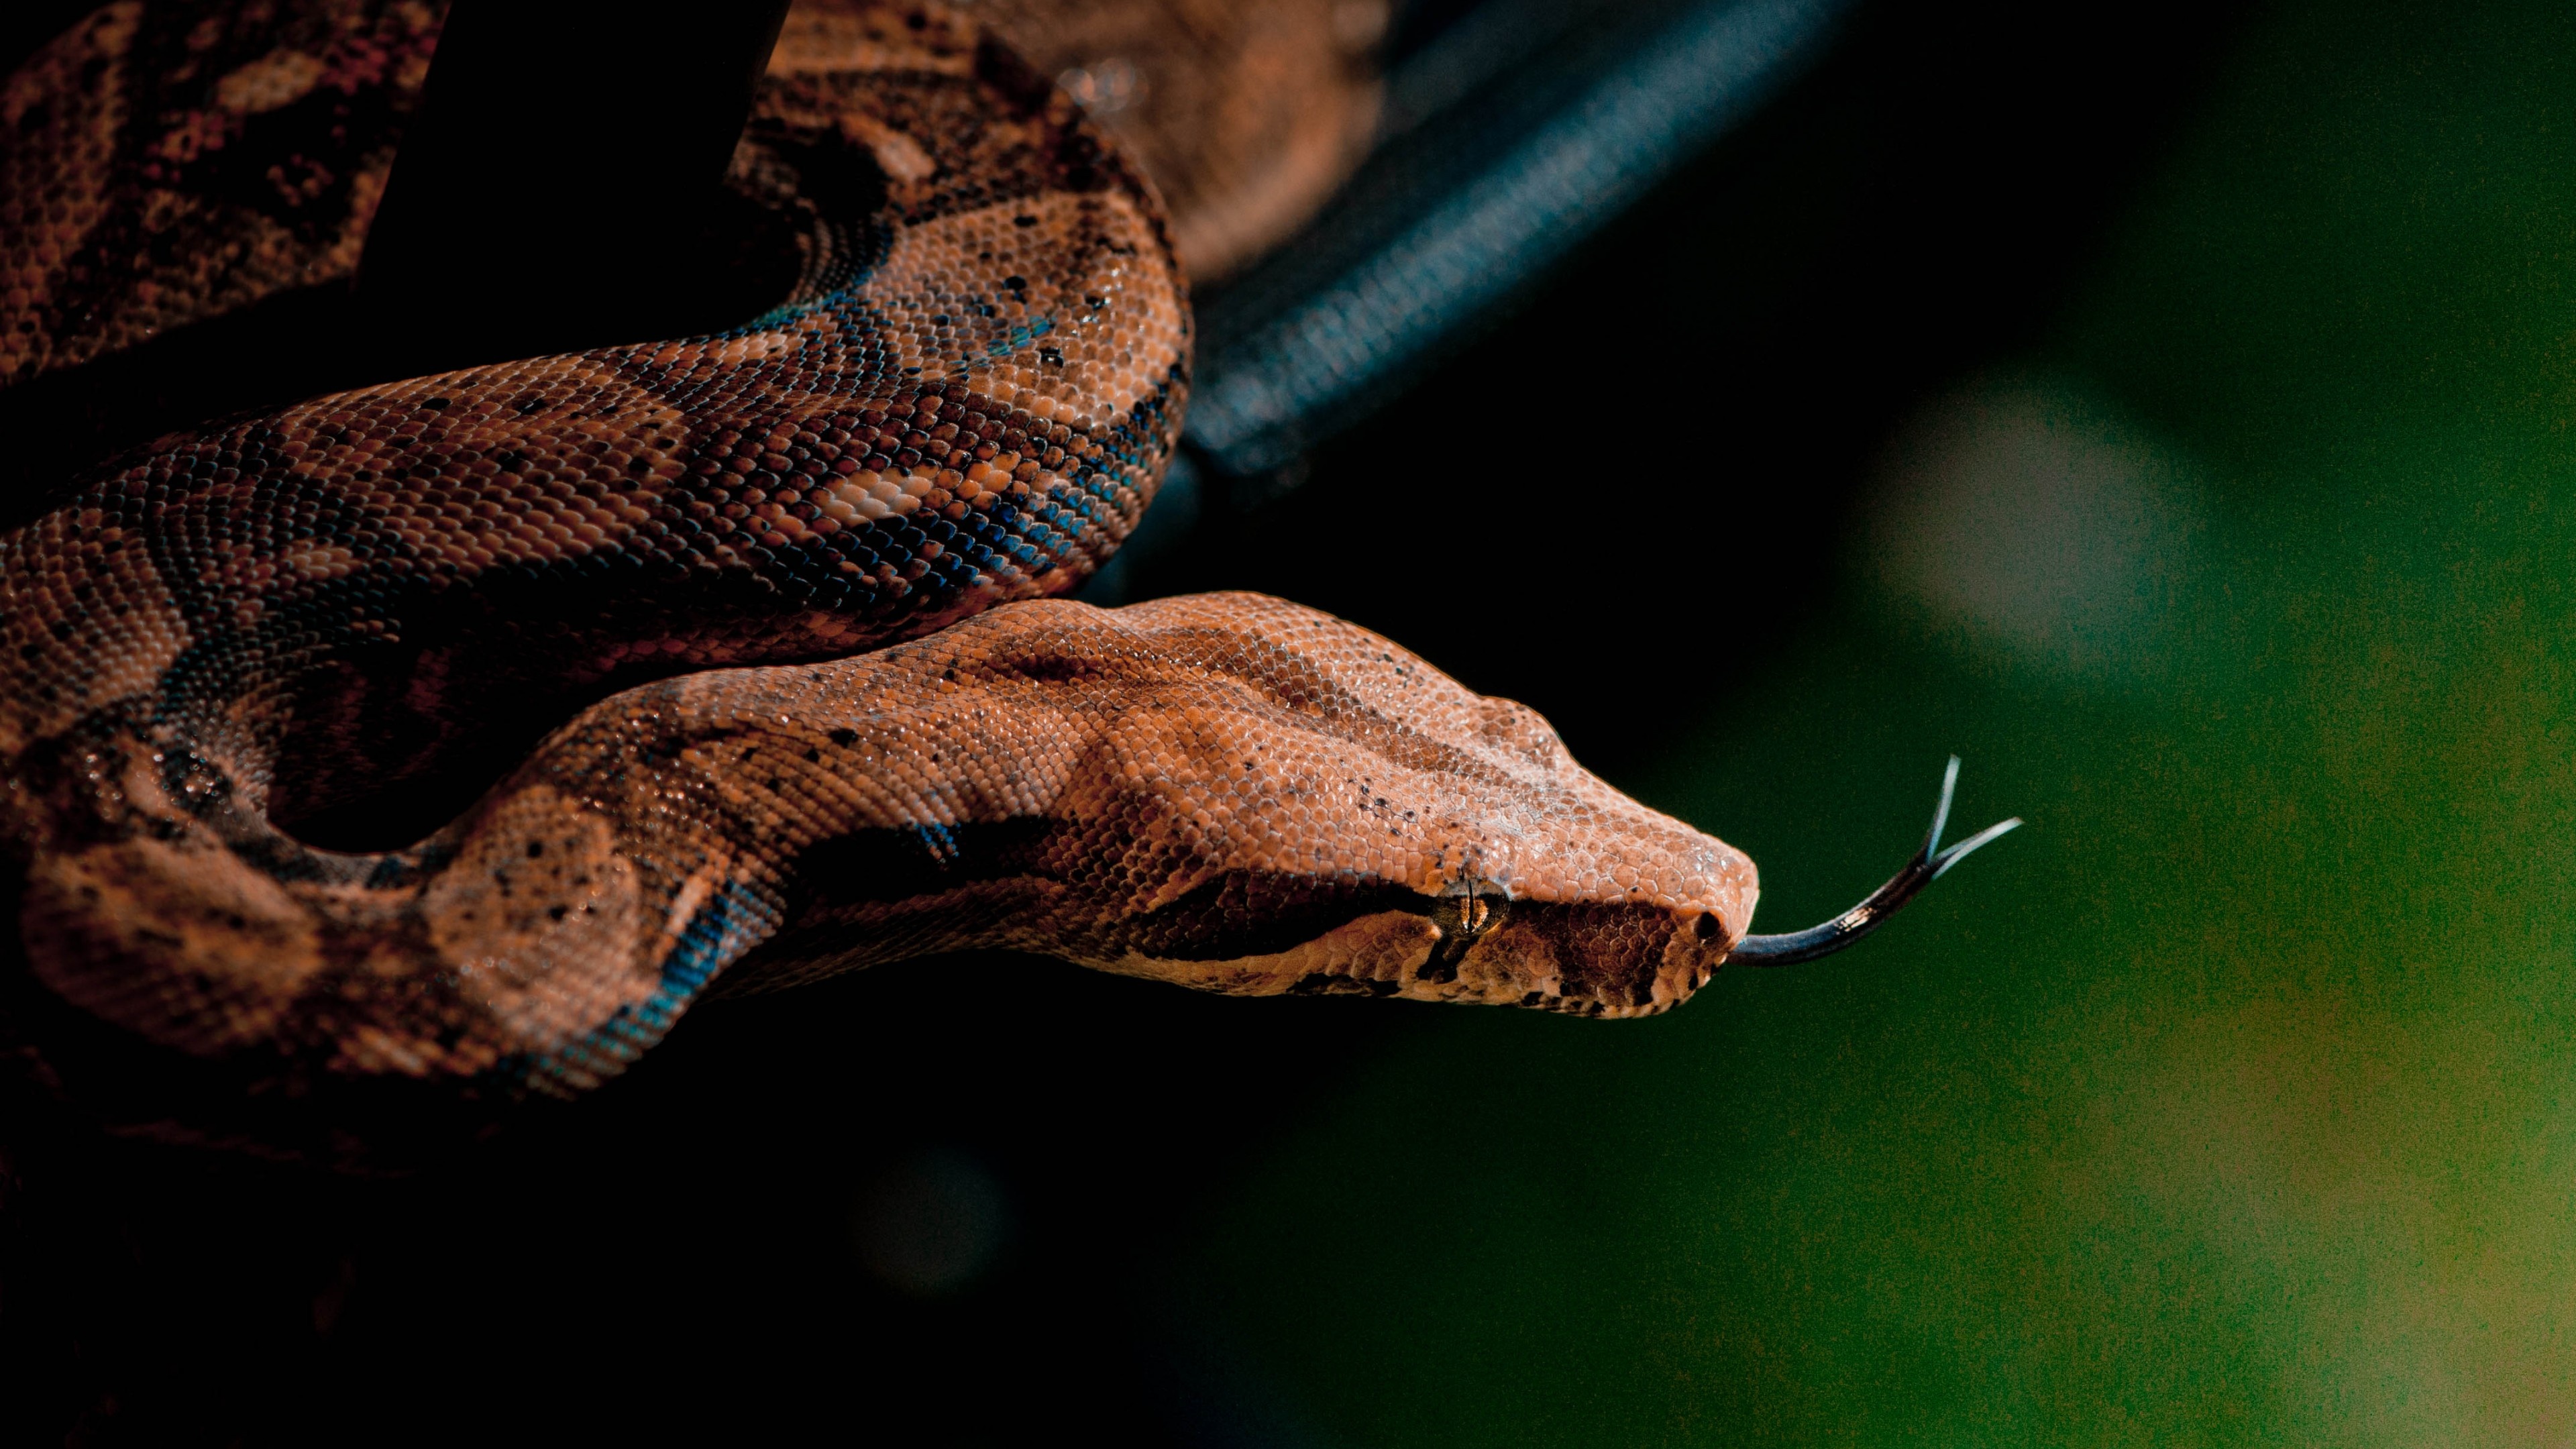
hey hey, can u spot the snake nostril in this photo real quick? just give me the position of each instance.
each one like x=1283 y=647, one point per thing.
x=1708 y=926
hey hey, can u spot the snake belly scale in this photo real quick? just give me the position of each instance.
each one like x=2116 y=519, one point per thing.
x=788 y=584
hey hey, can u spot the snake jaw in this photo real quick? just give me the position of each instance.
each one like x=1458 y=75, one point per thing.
x=1590 y=958
x=1603 y=961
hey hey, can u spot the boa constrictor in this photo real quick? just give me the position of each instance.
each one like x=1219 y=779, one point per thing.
x=791 y=582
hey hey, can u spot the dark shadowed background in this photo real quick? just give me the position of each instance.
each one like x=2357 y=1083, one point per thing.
x=2163 y=406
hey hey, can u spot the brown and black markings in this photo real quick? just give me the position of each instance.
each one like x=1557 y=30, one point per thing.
x=964 y=404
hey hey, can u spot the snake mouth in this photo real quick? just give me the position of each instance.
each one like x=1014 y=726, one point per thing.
x=1588 y=958
x=1259 y=933
x=1578 y=958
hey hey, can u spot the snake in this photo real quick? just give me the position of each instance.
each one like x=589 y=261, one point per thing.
x=786 y=599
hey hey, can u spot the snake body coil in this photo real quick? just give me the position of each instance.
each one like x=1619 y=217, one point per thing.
x=963 y=406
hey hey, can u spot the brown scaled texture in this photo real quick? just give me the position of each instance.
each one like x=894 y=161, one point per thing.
x=964 y=405
x=967 y=398
x=1247 y=113
x=1224 y=791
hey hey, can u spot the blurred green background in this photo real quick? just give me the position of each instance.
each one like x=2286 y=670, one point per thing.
x=2231 y=1102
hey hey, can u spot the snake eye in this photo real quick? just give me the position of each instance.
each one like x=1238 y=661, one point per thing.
x=1463 y=920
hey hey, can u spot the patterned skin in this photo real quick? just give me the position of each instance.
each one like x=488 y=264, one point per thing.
x=963 y=405
x=1246 y=115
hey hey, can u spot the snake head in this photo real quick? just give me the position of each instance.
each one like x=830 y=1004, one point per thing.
x=1313 y=810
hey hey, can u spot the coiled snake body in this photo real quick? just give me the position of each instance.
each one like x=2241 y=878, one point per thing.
x=796 y=571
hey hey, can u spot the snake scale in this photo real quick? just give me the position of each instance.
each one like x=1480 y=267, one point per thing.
x=790 y=586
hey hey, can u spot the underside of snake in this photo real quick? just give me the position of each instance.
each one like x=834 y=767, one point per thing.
x=789 y=582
